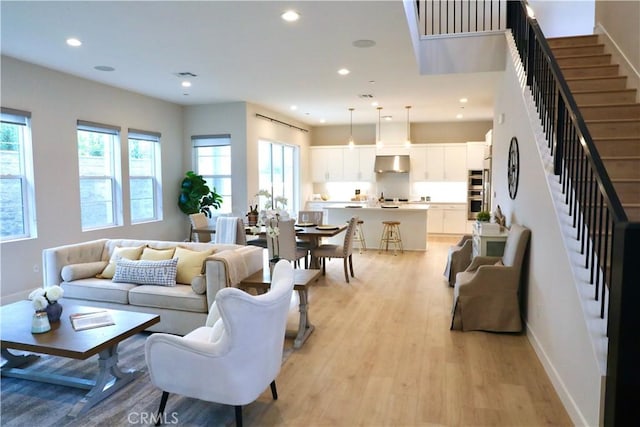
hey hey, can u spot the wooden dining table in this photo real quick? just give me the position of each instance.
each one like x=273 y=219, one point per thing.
x=312 y=233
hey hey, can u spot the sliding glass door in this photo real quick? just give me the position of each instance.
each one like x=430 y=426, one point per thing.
x=278 y=170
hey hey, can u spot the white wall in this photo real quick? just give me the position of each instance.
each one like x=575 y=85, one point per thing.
x=553 y=16
x=554 y=315
x=56 y=101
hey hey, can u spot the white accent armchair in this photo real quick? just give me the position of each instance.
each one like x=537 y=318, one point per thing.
x=486 y=294
x=235 y=356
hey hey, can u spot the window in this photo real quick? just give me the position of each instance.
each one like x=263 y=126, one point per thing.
x=145 y=192
x=213 y=161
x=17 y=201
x=99 y=166
x=278 y=171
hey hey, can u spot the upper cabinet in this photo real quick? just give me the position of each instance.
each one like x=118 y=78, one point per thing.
x=475 y=155
x=358 y=164
x=439 y=162
x=326 y=164
x=335 y=164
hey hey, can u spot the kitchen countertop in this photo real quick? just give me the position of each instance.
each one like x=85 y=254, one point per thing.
x=391 y=207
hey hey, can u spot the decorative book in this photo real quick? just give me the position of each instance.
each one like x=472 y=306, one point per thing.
x=96 y=319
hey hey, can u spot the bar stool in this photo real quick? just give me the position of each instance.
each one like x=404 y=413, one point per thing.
x=358 y=236
x=391 y=234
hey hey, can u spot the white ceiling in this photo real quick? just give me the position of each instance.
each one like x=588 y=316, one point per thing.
x=244 y=51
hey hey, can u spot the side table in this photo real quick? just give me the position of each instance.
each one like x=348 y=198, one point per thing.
x=488 y=244
x=261 y=281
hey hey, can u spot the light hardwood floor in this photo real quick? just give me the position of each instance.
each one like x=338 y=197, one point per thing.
x=382 y=354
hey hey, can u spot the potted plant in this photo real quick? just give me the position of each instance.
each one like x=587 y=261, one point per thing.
x=483 y=216
x=196 y=196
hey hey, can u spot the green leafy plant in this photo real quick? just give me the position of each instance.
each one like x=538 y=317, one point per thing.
x=484 y=216
x=196 y=196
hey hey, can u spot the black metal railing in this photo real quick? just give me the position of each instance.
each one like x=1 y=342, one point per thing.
x=460 y=16
x=602 y=227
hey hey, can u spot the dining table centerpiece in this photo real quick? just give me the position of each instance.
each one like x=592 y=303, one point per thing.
x=46 y=300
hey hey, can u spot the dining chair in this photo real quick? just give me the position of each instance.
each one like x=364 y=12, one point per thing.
x=234 y=357
x=284 y=245
x=313 y=217
x=230 y=229
x=344 y=251
x=199 y=221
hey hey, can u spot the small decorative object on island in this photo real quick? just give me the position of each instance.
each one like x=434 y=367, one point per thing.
x=196 y=196
x=46 y=301
x=499 y=217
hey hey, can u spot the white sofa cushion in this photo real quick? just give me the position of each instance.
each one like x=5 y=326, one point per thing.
x=144 y=272
x=94 y=289
x=179 y=297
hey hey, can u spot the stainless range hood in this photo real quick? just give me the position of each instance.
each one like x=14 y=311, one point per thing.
x=396 y=164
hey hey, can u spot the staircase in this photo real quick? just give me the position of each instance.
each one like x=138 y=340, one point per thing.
x=609 y=109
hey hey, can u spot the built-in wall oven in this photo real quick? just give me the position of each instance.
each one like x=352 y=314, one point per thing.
x=475 y=193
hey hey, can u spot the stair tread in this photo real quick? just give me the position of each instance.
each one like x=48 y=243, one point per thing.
x=597 y=121
x=582 y=78
x=571 y=67
x=616 y=138
x=581 y=55
x=620 y=157
x=602 y=90
x=617 y=104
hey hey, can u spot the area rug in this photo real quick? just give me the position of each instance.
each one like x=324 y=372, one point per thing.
x=30 y=403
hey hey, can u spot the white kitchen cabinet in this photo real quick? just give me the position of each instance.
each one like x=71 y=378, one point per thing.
x=447 y=219
x=358 y=164
x=326 y=164
x=475 y=155
x=439 y=162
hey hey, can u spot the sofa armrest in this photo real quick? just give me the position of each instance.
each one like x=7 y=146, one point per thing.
x=216 y=273
x=54 y=259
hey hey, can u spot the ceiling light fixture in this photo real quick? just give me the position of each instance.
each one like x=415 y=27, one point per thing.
x=459 y=116
x=463 y=100
x=104 y=68
x=351 y=143
x=407 y=143
x=343 y=71
x=294 y=107
x=186 y=83
x=74 y=42
x=379 y=143
x=290 y=16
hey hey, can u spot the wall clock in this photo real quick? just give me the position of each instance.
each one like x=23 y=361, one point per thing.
x=513 y=167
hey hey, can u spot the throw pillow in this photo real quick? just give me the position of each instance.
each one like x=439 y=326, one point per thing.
x=189 y=263
x=143 y=272
x=153 y=254
x=499 y=263
x=128 y=252
x=82 y=271
x=199 y=284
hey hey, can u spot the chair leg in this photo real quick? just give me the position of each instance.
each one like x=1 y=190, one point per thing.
x=238 y=416
x=346 y=273
x=324 y=264
x=274 y=392
x=351 y=265
x=163 y=404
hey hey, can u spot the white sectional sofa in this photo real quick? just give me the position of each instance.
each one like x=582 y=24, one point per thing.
x=182 y=307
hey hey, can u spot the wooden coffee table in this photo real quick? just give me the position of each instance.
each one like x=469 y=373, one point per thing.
x=261 y=281
x=63 y=341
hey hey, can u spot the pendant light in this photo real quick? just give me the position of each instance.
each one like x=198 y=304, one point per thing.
x=407 y=143
x=379 y=142
x=351 y=143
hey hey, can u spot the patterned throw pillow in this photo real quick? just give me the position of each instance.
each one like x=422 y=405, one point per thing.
x=118 y=253
x=143 y=272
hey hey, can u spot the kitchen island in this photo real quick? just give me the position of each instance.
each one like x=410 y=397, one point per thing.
x=412 y=217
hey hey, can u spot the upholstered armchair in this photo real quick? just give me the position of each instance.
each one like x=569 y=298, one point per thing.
x=485 y=295
x=459 y=258
x=344 y=251
x=235 y=356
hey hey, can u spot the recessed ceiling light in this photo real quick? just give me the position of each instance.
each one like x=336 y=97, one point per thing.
x=363 y=43
x=458 y=116
x=186 y=83
x=343 y=71
x=463 y=100
x=74 y=42
x=374 y=104
x=294 y=107
x=290 y=16
x=104 y=68
x=387 y=118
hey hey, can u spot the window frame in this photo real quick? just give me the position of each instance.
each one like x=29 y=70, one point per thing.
x=220 y=140
x=115 y=177
x=293 y=185
x=10 y=116
x=155 y=177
